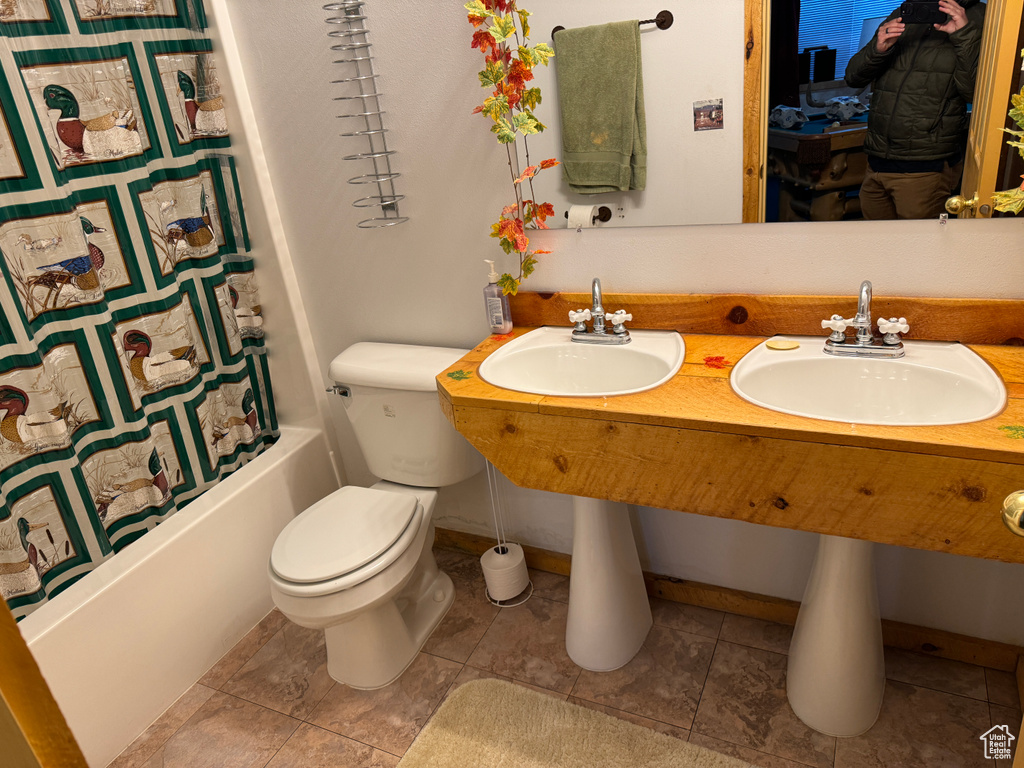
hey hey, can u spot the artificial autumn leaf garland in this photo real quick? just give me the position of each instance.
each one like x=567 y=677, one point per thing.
x=509 y=62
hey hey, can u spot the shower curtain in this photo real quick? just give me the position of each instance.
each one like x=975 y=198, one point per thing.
x=133 y=372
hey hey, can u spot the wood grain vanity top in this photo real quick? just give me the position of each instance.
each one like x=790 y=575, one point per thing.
x=693 y=445
x=699 y=397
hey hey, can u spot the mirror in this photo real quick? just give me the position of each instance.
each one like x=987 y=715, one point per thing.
x=694 y=176
x=1002 y=40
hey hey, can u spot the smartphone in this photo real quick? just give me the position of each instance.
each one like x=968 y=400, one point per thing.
x=922 y=12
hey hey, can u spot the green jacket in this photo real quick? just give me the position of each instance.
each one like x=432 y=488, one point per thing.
x=921 y=89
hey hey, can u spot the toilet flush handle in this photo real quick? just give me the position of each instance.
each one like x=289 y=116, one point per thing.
x=340 y=389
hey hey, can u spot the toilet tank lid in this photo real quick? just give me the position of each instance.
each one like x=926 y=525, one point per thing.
x=393 y=366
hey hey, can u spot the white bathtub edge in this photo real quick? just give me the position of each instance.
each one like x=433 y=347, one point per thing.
x=117 y=651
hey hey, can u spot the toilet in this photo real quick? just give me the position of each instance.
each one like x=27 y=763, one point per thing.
x=358 y=563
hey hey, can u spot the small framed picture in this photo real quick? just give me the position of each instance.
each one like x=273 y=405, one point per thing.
x=708 y=115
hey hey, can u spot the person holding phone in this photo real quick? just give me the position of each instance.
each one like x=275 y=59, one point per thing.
x=922 y=77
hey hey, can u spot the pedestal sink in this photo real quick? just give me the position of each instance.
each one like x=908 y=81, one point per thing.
x=836 y=674
x=609 y=613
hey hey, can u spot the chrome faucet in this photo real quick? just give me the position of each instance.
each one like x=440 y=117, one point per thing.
x=599 y=334
x=597 y=310
x=865 y=343
x=862 y=320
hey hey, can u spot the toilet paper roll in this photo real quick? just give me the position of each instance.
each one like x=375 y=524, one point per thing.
x=505 y=571
x=582 y=216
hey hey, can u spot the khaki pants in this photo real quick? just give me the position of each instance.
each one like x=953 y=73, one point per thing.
x=907 y=195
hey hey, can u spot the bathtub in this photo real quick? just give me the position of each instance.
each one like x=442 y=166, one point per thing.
x=121 y=645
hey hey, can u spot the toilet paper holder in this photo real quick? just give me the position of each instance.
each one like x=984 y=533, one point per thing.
x=604 y=213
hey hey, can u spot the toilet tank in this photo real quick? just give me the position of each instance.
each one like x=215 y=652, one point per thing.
x=396 y=416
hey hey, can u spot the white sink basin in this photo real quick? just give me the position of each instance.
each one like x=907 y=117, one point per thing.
x=546 y=362
x=934 y=383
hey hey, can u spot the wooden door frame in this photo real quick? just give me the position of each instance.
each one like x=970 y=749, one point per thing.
x=995 y=80
x=32 y=726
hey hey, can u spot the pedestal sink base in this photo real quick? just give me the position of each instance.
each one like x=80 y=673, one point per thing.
x=836 y=668
x=609 y=613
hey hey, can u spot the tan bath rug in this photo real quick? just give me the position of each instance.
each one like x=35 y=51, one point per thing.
x=495 y=724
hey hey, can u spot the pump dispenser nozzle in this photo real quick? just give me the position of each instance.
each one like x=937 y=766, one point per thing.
x=493 y=277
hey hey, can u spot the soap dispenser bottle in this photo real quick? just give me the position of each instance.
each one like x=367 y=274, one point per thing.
x=499 y=316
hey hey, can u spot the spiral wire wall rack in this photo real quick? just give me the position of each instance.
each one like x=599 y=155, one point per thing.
x=354 y=49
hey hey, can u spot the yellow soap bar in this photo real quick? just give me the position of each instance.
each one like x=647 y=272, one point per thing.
x=781 y=344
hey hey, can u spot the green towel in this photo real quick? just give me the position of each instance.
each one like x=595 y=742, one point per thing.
x=600 y=87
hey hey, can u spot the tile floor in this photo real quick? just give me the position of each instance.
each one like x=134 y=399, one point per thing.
x=716 y=679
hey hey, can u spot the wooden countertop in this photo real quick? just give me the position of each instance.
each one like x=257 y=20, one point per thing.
x=693 y=445
x=700 y=397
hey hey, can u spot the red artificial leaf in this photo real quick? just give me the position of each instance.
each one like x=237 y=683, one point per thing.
x=483 y=40
x=717 y=361
x=512 y=230
x=513 y=95
x=529 y=173
x=513 y=208
x=476 y=21
x=540 y=251
x=500 y=53
x=519 y=75
x=478 y=110
x=549 y=163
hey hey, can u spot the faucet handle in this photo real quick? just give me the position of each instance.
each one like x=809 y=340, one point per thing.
x=579 y=316
x=892 y=325
x=838 y=327
x=891 y=328
x=617 y=319
x=836 y=324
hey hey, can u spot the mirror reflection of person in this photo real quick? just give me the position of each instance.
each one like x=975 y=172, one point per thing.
x=922 y=78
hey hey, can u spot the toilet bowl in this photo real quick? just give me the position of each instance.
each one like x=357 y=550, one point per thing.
x=359 y=563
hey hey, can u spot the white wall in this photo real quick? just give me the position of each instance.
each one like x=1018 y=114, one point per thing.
x=420 y=282
x=678 y=71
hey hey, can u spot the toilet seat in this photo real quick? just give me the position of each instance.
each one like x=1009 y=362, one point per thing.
x=343 y=540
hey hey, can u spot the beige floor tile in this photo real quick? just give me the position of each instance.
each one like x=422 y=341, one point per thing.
x=244 y=649
x=550 y=586
x=466 y=621
x=527 y=643
x=1010 y=717
x=935 y=673
x=756 y=633
x=472 y=673
x=744 y=702
x=1002 y=688
x=154 y=737
x=667 y=728
x=226 y=732
x=312 y=747
x=390 y=717
x=461 y=566
x=662 y=682
x=288 y=674
x=688 y=618
x=752 y=756
x=920 y=727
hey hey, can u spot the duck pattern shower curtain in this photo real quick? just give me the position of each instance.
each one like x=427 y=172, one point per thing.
x=133 y=373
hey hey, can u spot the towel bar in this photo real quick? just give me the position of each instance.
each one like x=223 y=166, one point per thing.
x=663 y=20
